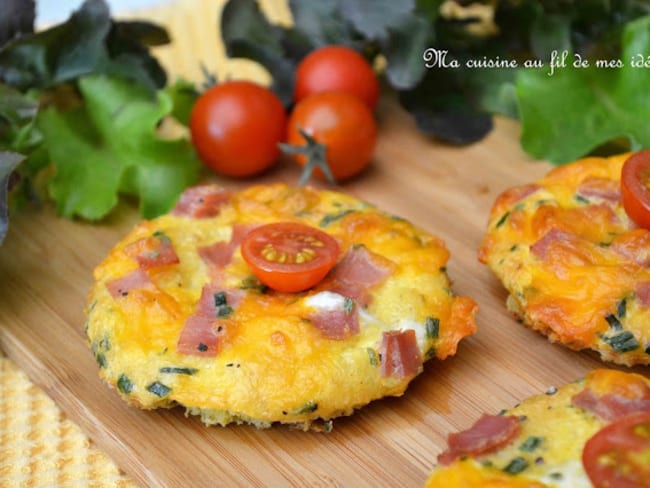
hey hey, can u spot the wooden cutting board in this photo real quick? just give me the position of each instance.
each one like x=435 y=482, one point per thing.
x=46 y=270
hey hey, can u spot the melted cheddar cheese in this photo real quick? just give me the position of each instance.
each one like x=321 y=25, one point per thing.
x=576 y=267
x=272 y=365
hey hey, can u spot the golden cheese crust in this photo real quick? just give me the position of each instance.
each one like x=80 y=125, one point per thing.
x=553 y=427
x=272 y=364
x=575 y=265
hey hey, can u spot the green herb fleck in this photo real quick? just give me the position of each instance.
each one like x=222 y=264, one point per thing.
x=372 y=355
x=308 y=407
x=333 y=217
x=556 y=475
x=621 y=308
x=100 y=357
x=530 y=444
x=516 y=466
x=177 y=370
x=432 y=325
x=581 y=199
x=348 y=305
x=431 y=353
x=158 y=389
x=503 y=219
x=220 y=299
x=124 y=384
x=202 y=347
x=224 y=311
x=252 y=283
x=623 y=342
x=613 y=322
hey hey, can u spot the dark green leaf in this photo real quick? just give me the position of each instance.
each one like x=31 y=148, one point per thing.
x=8 y=163
x=319 y=23
x=409 y=37
x=373 y=18
x=17 y=19
x=61 y=53
x=183 y=94
x=248 y=34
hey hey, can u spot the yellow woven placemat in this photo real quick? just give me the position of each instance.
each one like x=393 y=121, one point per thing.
x=39 y=447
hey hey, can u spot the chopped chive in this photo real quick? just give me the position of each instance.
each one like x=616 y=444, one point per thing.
x=220 y=299
x=613 y=322
x=530 y=444
x=224 y=311
x=503 y=219
x=100 y=357
x=158 y=389
x=514 y=247
x=308 y=407
x=177 y=370
x=202 y=347
x=621 y=308
x=333 y=217
x=581 y=199
x=124 y=384
x=348 y=305
x=432 y=325
x=372 y=356
x=647 y=349
x=431 y=353
x=517 y=465
x=623 y=342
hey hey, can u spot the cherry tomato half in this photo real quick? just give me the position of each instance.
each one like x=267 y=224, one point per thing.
x=618 y=455
x=336 y=68
x=288 y=256
x=635 y=188
x=343 y=124
x=236 y=127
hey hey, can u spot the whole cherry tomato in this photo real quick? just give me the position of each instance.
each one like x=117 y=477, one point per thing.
x=336 y=68
x=635 y=187
x=618 y=455
x=236 y=127
x=342 y=123
x=289 y=256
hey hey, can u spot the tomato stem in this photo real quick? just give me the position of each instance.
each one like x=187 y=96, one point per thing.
x=316 y=154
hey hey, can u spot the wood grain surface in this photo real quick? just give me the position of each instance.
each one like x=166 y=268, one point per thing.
x=46 y=268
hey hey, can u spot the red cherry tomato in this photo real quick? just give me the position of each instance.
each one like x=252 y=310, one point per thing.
x=236 y=127
x=343 y=124
x=288 y=256
x=635 y=188
x=618 y=455
x=336 y=68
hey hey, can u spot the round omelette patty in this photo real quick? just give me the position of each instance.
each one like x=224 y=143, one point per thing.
x=575 y=265
x=539 y=443
x=176 y=316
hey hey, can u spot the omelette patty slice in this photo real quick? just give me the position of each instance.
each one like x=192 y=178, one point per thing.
x=576 y=266
x=176 y=316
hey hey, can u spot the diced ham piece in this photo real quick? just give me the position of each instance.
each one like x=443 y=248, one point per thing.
x=202 y=331
x=337 y=324
x=600 y=188
x=219 y=254
x=400 y=354
x=554 y=236
x=202 y=201
x=153 y=251
x=634 y=246
x=488 y=434
x=612 y=406
x=137 y=279
x=642 y=292
x=358 y=270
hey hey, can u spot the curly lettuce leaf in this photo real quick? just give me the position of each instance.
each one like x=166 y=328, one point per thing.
x=572 y=112
x=110 y=145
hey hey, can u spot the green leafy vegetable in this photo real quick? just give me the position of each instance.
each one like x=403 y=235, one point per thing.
x=594 y=104
x=109 y=146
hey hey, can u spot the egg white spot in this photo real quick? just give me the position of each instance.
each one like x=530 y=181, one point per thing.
x=419 y=328
x=326 y=301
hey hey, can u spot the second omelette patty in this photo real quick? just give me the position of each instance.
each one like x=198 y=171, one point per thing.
x=575 y=265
